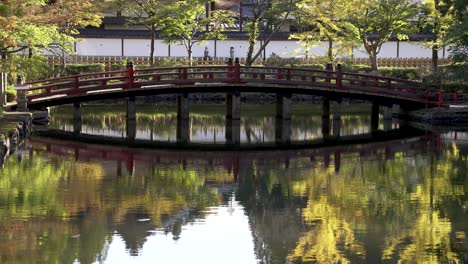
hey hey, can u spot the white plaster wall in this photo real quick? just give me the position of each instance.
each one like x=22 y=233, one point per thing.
x=240 y=48
x=285 y=48
x=99 y=47
x=141 y=47
x=415 y=49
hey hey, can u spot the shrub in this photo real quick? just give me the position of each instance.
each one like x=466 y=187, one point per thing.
x=407 y=73
x=358 y=68
x=72 y=69
x=311 y=66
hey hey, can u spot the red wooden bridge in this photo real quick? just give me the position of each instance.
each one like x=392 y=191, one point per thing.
x=235 y=78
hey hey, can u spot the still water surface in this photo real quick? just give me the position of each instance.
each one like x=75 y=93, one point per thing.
x=400 y=201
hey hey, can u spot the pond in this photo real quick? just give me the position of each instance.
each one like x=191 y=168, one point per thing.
x=401 y=200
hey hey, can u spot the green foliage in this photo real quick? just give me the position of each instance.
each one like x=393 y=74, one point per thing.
x=277 y=61
x=311 y=66
x=186 y=24
x=458 y=38
x=359 y=68
x=31 y=68
x=408 y=73
x=377 y=20
x=73 y=69
x=11 y=95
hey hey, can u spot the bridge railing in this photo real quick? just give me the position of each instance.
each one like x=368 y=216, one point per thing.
x=234 y=73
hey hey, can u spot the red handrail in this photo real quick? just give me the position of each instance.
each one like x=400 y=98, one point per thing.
x=236 y=74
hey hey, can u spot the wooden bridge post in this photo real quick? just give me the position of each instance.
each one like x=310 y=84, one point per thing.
x=339 y=76
x=282 y=130
x=130 y=75
x=233 y=104
x=230 y=70
x=183 y=119
x=237 y=71
x=232 y=134
x=131 y=118
x=375 y=117
x=337 y=120
x=77 y=122
x=326 y=118
x=283 y=106
x=387 y=118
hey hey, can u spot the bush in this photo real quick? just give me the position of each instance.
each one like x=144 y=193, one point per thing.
x=31 y=68
x=276 y=61
x=11 y=95
x=311 y=66
x=357 y=68
x=72 y=69
x=407 y=73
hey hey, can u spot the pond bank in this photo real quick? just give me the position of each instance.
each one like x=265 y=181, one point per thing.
x=445 y=116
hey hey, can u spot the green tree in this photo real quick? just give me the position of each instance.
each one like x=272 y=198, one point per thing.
x=458 y=32
x=268 y=17
x=188 y=21
x=326 y=20
x=437 y=16
x=378 y=20
x=149 y=13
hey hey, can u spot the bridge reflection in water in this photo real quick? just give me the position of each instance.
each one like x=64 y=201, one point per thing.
x=302 y=123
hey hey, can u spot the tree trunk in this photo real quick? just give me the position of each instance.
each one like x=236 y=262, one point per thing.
x=373 y=61
x=189 y=52
x=153 y=31
x=253 y=31
x=330 y=50
x=435 y=58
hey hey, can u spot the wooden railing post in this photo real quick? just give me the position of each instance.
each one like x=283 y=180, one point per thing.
x=130 y=75
x=279 y=75
x=237 y=71
x=230 y=69
x=439 y=101
x=328 y=68
x=339 y=76
x=76 y=83
x=288 y=74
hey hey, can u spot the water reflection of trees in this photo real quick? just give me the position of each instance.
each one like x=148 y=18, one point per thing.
x=372 y=211
x=406 y=208
x=55 y=210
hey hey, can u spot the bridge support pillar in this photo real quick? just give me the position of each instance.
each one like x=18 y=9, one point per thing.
x=282 y=130
x=387 y=119
x=130 y=123
x=183 y=119
x=283 y=106
x=232 y=131
x=183 y=110
x=77 y=122
x=337 y=121
x=375 y=117
x=233 y=104
x=326 y=118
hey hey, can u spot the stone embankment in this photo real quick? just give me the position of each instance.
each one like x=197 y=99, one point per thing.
x=14 y=128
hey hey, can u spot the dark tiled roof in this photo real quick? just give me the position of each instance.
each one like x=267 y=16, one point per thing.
x=236 y=35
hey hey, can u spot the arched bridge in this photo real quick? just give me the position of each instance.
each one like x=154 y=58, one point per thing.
x=231 y=78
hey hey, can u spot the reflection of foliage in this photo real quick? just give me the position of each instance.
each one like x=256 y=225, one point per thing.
x=161 y=192
x=55 y=210
x=401 y=197
x=28 y=189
